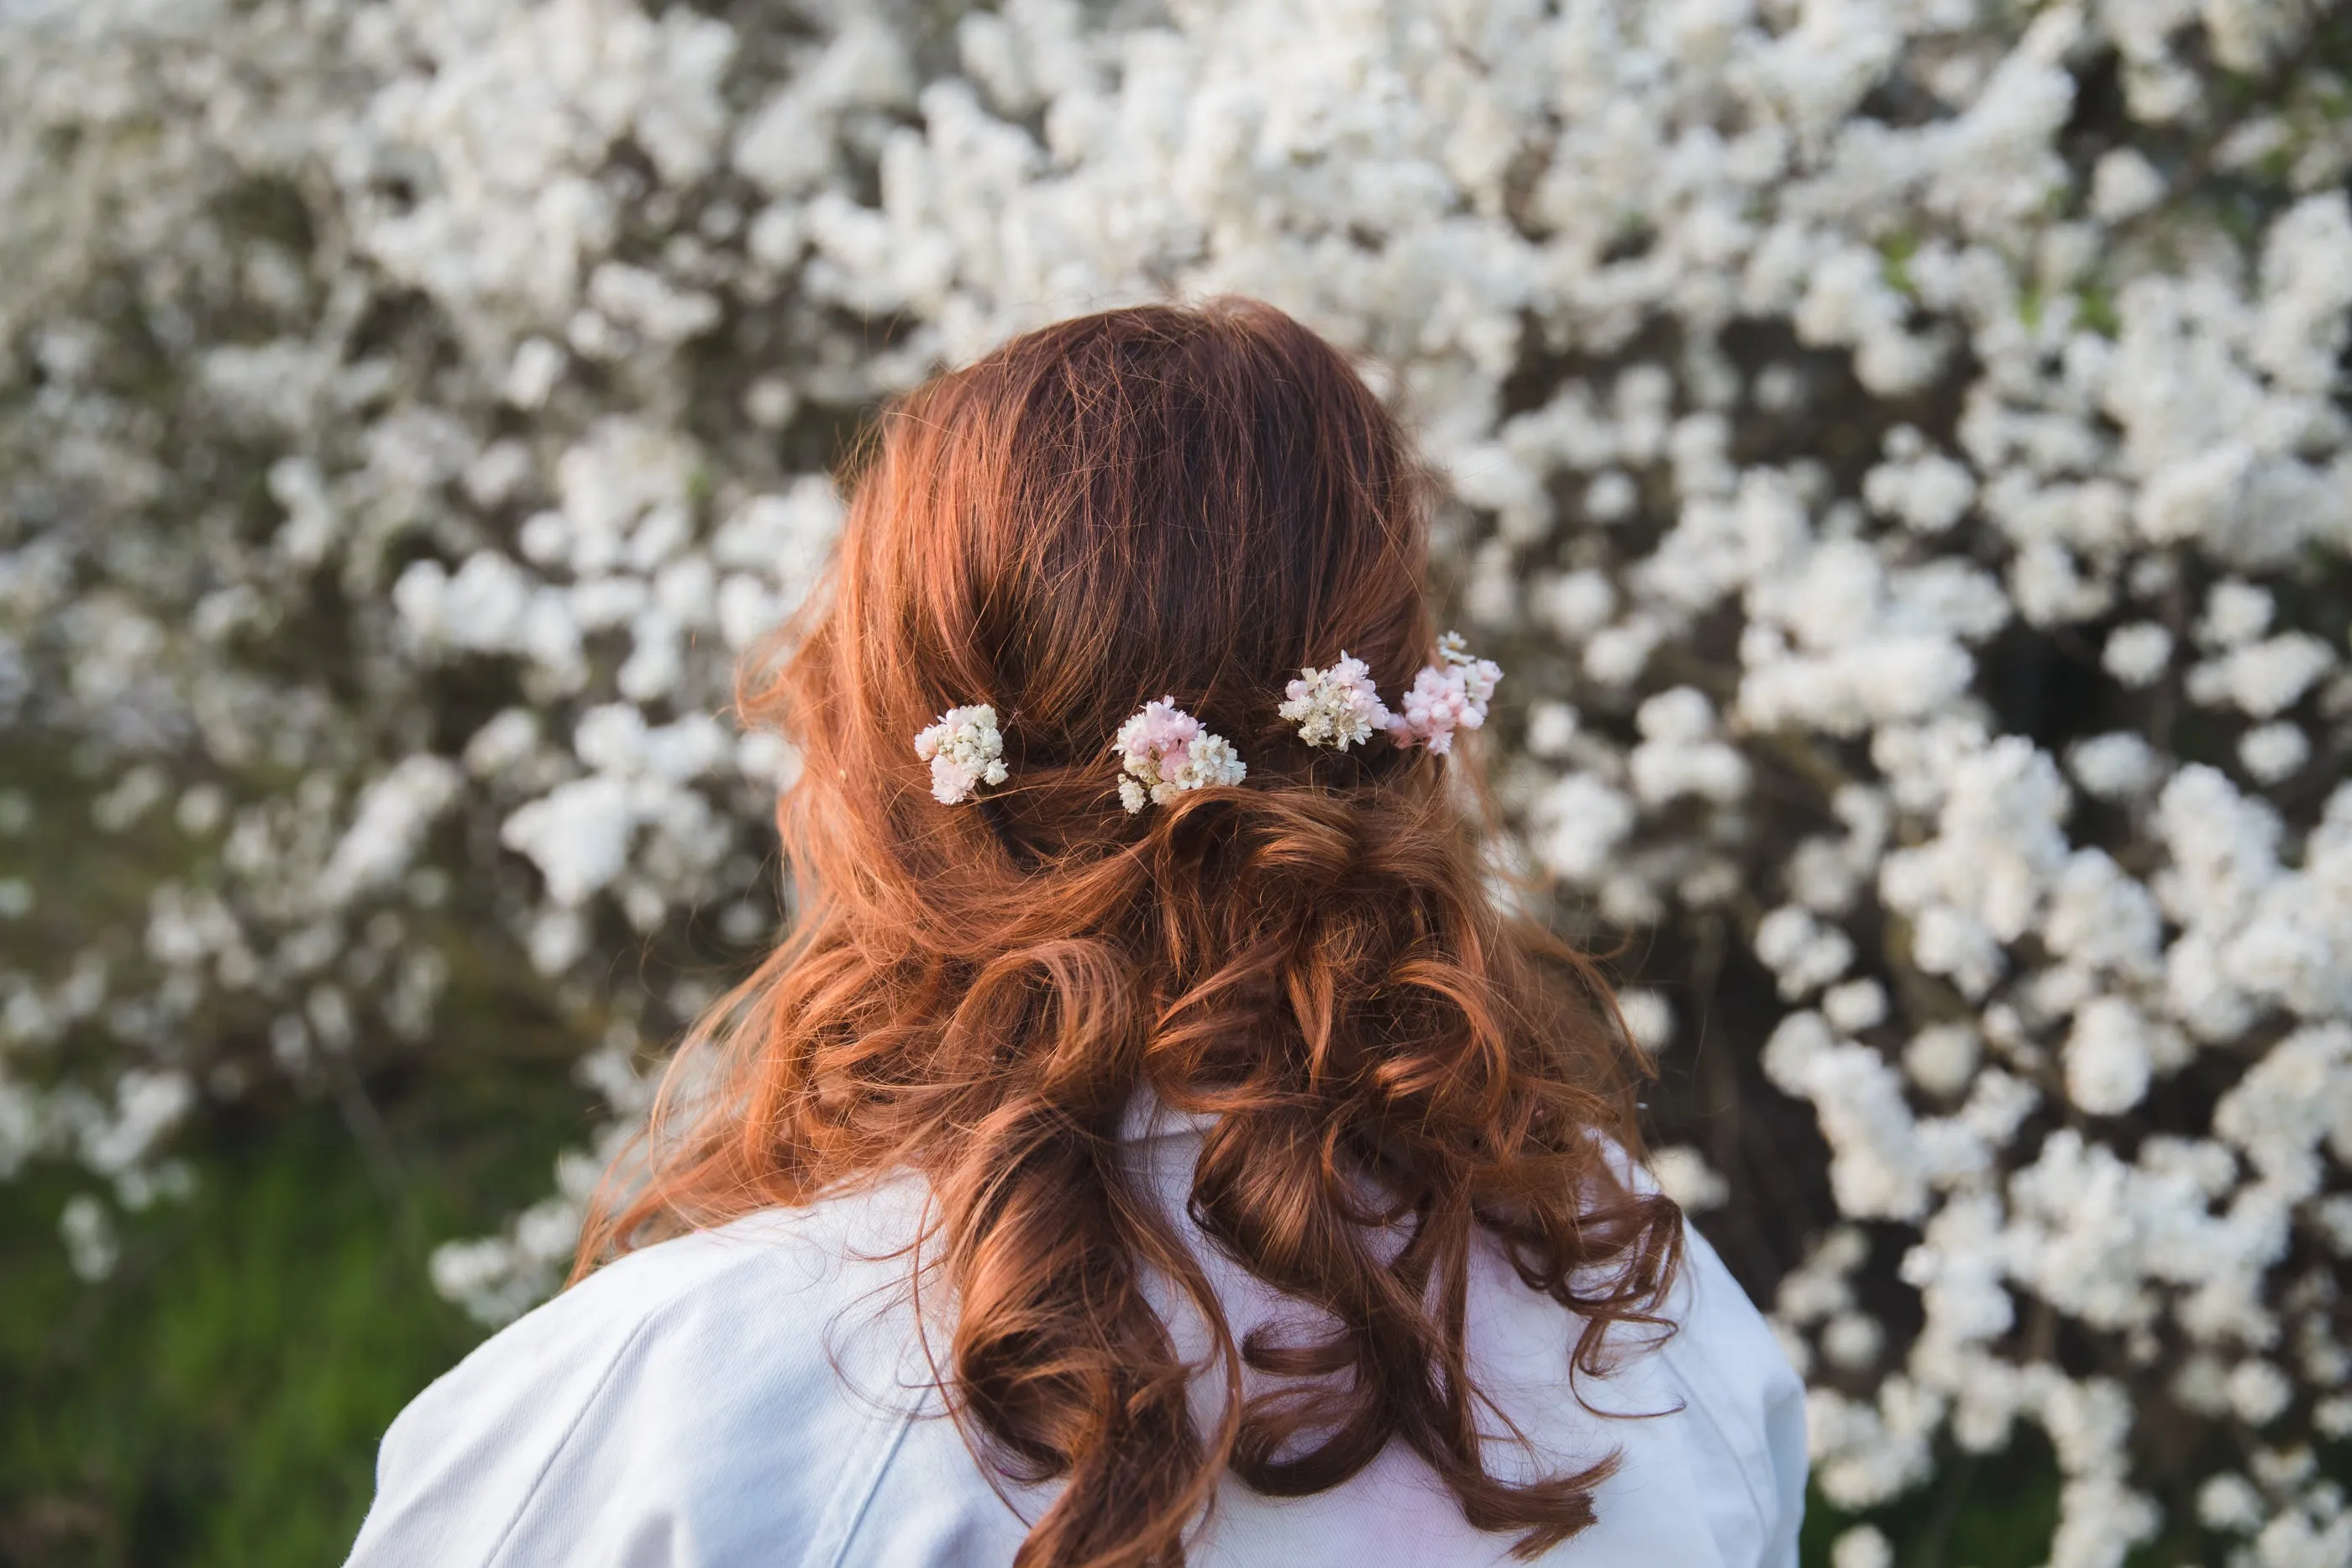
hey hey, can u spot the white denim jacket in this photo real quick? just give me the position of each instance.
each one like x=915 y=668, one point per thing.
x=757 y=1394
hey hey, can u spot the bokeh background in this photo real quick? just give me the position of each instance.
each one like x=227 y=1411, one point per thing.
x=1899 y=449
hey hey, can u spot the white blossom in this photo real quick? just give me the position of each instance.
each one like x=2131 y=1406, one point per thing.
x=1338 y=708
x=2124 y=185
x=2108 y=1063
x=965 y=751
x=2263 y=679
x=92 y=1245
x=2270 y=752
x=2138 y=654
x=2116 y=766
x=1685 y=1176
x=1864 y=1546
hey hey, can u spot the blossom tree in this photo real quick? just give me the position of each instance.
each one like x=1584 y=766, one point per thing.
x=1898 y=447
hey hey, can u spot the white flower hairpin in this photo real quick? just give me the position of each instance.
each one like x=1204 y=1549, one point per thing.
x=965 y=750
x=1448 y=695
x=1338 y=708
x=1163 y=751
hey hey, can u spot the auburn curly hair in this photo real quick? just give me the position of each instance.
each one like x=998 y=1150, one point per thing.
x=1143 y=503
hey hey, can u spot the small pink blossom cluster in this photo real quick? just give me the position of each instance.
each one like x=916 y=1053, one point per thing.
x=1163 y=751
x=1450 y=694
x=1337 y=708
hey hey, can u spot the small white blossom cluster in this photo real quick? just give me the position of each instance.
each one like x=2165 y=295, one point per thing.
x=1901 y=449
x=1163 y=752
x=1338 y=708
x=965 y=750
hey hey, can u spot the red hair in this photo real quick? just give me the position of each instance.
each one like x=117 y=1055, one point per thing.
x=1194 y=504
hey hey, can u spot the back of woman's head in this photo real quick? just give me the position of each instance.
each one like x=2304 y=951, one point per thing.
x=1143 y=504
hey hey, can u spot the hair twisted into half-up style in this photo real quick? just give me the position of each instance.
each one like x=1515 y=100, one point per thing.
x=1140 y=504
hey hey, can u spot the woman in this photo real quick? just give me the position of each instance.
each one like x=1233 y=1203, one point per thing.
x=1152 y=1145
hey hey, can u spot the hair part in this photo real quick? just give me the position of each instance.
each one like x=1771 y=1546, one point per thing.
x=1153 y=502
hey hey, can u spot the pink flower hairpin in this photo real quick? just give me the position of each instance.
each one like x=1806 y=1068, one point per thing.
x=1163 y=751
x=1450 y=694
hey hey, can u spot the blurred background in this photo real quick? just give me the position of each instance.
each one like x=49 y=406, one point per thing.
x=1898 y=449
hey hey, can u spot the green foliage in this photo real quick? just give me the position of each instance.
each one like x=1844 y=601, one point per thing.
x=218 y=1400
x=1990 y=1511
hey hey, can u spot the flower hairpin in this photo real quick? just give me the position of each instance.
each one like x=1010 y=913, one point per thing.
x=1450 y=694
x=1341 y=708
x=1163 y=751
x=965 y=750
x=1338 y=708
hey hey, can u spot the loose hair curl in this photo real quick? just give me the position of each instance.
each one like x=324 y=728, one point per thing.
x=1143 y=503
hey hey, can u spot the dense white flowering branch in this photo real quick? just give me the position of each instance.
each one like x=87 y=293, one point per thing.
x=1901 y=451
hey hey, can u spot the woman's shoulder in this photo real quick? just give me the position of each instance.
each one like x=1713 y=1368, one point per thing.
x=1729 y=1362
x=1703 y=1413
x=717 y=1393
x=1745 y=1404
x=1718 y=1441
